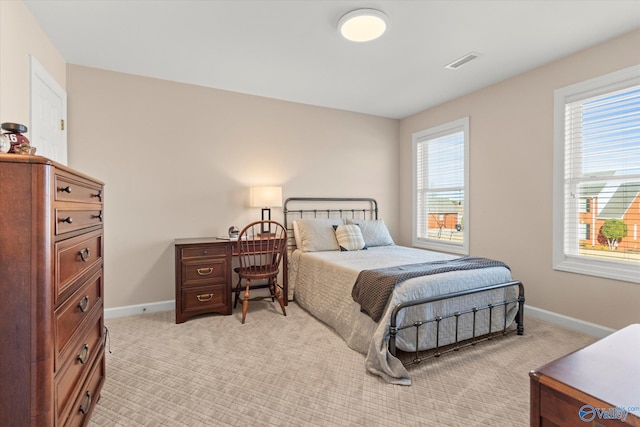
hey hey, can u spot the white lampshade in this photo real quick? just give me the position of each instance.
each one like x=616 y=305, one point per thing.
x=265 y=197
x=363 y=25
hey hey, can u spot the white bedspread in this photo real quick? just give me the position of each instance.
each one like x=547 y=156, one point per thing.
x=322 y=283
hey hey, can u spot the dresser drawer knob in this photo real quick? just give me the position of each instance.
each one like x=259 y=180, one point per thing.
x=98 y=195
x=86 y=403
x=99 y=216
x=66 y=189
x=68 y=220
x=85 y=254
x=83 y=305
x=205 y=271
x=83 y=356
x=204 y=297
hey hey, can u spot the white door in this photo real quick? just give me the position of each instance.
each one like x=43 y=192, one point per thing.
x=47 y=131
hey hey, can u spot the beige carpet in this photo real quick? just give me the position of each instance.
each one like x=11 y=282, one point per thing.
x=293 y=371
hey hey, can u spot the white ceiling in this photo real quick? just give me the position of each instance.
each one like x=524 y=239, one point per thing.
x=291 y=50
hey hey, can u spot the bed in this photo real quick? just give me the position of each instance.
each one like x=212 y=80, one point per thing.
x=439 y=311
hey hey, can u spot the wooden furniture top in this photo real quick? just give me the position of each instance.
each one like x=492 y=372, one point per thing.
x=221 y=241
x=608 y=370
x=33 y=159
x=201 y=240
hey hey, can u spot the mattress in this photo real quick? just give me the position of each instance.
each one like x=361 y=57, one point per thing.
x=322 y=283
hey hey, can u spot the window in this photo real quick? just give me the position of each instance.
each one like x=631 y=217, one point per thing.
x=585 y=205
x=597 y=176
x=585 y=231
x=441 y=182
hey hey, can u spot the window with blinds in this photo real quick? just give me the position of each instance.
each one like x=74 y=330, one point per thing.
x=440 y=187
x=597 y=177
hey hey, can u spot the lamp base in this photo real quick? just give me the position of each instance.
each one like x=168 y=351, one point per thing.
x=265 y=227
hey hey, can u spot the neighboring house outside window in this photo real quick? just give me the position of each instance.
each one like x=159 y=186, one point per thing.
x=597 y=176
x=440 y=187
x=619 y=203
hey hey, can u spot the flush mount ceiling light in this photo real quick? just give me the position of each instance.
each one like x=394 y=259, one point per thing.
x=363 y=25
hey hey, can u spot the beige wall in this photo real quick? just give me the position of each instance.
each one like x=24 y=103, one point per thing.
x=20 y=37
x=178 y=160
x=511 y=141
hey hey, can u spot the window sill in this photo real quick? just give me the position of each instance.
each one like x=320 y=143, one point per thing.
x=605 y=269
x=439 y=246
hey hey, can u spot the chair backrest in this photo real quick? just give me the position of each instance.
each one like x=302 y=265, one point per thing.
x=261 y=246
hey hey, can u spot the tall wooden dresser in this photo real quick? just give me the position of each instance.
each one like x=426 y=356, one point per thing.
x=51 y=293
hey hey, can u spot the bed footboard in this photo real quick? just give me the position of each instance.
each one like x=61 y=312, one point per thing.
x=394 y=328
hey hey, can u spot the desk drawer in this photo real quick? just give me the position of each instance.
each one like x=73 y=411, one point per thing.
x=206 y=251
x=206 y=299
x=71 y=188
x=73 y=258
x=206 y=271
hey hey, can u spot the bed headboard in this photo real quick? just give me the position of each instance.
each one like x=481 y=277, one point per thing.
x=326 y=207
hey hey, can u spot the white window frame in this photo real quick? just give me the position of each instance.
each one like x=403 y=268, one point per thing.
x=563 y=261
x=438 y=244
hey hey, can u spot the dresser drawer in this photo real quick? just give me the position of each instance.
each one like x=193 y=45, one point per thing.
x=71 y=188
x=204 y=251
x=559 y=408
x=206 y=299
x=83 y=406
x=76 y=368
x=73 y=314
x=67 y=220
x=205 y=271
x=73 y=258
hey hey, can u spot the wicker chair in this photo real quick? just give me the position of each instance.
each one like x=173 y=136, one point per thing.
x=261 y=246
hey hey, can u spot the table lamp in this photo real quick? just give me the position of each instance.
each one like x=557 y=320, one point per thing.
x=265 y=198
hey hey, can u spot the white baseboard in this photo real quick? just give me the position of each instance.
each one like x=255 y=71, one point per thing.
x=132 y=310
x=574 y=324
x=571 y=323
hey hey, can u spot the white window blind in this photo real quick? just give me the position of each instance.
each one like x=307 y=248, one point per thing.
x=599 y=142
x=440 y=187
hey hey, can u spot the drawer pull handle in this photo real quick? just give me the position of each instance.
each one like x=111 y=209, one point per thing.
x=205 y=271
x=68 y=220
x=99 y=216
x=83 y=356
x=204 y=297
x=83 y=305
x=66 y=189
x=86 y=404
x=98 y=195
x=204 y=252
x=85 y=255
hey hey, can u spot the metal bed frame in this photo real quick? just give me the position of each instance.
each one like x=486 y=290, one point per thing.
x=367 y=208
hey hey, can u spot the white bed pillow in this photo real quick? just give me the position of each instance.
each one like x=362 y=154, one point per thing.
x=313 y=235
x=349 y=237
x=374 y=231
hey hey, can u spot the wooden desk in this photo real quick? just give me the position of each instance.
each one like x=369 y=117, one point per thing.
x=604 y=376
x=204 y=274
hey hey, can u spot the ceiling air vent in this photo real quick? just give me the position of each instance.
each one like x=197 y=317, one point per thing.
x=462 y=61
